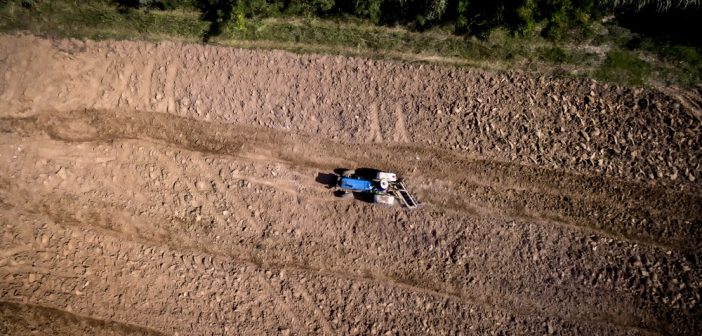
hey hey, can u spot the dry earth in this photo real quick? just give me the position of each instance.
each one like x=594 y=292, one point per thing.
x=176 y=189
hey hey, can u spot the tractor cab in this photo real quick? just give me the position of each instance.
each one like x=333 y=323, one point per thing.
x=355 y=184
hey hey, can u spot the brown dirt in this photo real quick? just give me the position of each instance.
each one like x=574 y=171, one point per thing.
x=170 y=188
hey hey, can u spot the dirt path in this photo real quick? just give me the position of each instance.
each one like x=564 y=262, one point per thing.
x=176 y=189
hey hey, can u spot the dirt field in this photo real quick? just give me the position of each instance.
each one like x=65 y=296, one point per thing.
x=179 y=189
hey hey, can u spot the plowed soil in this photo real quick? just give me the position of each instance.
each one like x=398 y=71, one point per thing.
x=166 y=188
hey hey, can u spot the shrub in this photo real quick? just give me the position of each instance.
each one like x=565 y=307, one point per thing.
x=624 y=67
x=370 y=9
x=527 y=17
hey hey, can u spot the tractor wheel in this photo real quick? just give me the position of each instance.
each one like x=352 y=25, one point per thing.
x=384 y=200
x=344 y=194
x=348 y=173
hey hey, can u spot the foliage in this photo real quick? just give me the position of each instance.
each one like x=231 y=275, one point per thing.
x=261 y=8
x=219 y=14
x=153 y=4
x=461 y=19
x=28 y=4
x=535 y=35
x=512 y=42
x=527 y=14
x=554 y=19
x=554 y=55
x=624 y=67
x=370 y=9
x=660 y=5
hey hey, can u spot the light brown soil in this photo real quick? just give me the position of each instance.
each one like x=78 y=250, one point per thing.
x=175 y=189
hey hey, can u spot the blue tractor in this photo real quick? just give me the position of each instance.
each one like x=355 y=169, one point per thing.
x=384 y=187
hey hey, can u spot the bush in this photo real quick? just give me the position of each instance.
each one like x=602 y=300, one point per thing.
x=554 y=55
x=218 y=13
x=555 y=19
x=261 y=8
x=624 y=67
x=527 y=15
x=369 y=9
x=154 y=4
x=308 y=7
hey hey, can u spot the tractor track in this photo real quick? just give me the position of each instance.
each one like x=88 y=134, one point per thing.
x=480 y=299
x=61 y=212
x=181 y=189
x=77 y=129
x=29 y=318
x=496 y=187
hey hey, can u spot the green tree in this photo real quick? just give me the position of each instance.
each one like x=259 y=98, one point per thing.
x=661 y=5
x=308 y=7
x=527 y=14
x=218 y=13
x=461 y=24
x=370 y=9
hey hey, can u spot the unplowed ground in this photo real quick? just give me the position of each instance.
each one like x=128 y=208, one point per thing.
x=180 y=189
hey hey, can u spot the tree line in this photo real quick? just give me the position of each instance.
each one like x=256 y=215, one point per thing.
x=550 y=18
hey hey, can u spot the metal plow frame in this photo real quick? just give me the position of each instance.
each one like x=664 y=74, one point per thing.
x=402 y=194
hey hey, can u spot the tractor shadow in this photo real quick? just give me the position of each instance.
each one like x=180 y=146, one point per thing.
x=329 y=180
x=364 y=173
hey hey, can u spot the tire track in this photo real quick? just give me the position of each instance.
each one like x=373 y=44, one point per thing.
x=374 y=125
x=310 y=304
x=114 y=87
x=575 y=125
x=145 y=206
x=359 y=280
x=281 y=303
x=637 y=213
x=143 y=85
x=170 y=89
x=400 y=127
x=54 y=321
x=70 y=210
x=66 y=213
